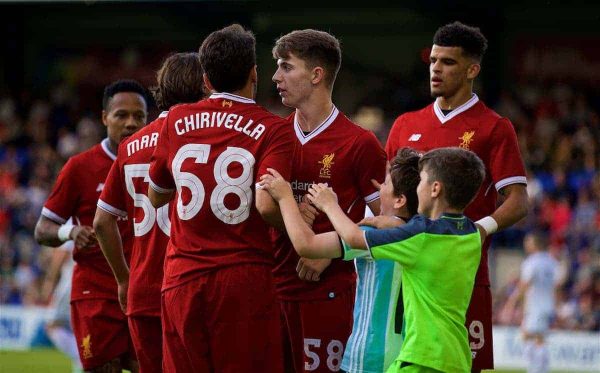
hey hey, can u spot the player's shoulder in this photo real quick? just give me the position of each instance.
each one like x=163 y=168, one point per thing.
x=352 y=129
x=92 y=154
x=414 y=116
x=488 y=116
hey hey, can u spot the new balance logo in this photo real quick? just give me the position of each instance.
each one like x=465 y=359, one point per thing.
x=100 y=187
x=414 y=137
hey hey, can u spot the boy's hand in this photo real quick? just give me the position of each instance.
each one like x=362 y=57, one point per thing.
x=322 y=196
x=311 y=269
x=381 y=222
x=309 y=212
x=276 y=185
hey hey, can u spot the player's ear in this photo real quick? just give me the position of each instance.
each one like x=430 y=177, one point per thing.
x=436 y=189
x=473 y=71
x=318 y=74
x=207 y=83
x=254 y=74
x=400 y=202
x=104 y=115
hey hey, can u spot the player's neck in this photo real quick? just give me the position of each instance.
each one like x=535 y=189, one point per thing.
x=313 y=111
x=454 y=101
x=112 y=146
x=247 y=92
x=441 y=207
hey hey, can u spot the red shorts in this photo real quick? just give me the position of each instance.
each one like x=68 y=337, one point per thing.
x=101 y=331
x=225 y=321
x=146 y=334
x=315 y=332
x=479 y=326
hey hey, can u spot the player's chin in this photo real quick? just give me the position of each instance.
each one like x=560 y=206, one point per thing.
x=436 y=92
x=287 y=102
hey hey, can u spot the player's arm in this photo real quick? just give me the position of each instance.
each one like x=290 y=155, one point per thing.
x=159 y=199
x=506 y=166
x=269 y=209
x=306 y=243
x=50 y=233
x=109 y=238
x=325 y=200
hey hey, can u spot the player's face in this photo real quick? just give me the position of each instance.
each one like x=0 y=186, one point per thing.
x=293 y=79
x=126 y=113
x=424 y=194
x=448 y=68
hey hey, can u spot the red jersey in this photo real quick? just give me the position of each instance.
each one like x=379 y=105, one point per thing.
x=125 y=195
x=347 y=157
x=470 y=126
x=75 y=194
x=212 y=152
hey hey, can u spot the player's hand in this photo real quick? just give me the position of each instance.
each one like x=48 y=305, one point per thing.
x=482 y=232
x=381 y=222
x=275 y=184
x=123 y=288
x=321 y=196
x=376 y=184
x=311 y=269
x=309 y=212
x=83 y=236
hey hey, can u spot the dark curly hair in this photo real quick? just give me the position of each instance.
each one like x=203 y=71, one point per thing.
x=179 y=80
x=404 y=172
x=227 y=57
x=457 y=34
x=123 y=85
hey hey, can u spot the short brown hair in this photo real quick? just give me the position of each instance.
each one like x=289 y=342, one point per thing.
x=179 y=80
x=316 y=48
x=227 y=57
x=460 y=171
x=404 y=172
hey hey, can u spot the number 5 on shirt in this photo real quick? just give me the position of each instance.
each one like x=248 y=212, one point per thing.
x=151 y=215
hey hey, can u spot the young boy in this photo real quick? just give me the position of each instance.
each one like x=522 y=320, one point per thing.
x=439 y=251
x=376 y=333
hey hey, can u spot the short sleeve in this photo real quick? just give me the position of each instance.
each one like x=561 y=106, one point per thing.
x=112 y=198
x=391 y=146
x=278 y=152
x=64 y=198
x=401 y=244
x=506 y=164
x=370 y=161
x=350 y=253
x=161 y=179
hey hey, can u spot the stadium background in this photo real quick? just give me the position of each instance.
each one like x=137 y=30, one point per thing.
x=542 y=70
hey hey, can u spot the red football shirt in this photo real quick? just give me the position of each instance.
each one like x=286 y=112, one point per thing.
x=213 y=152
x=125 y=195
x=347 y=157
x=75 y=194
x=471 y=126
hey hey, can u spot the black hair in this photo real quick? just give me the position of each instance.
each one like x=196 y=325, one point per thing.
x=457 y=34
x=123 y=85
x=227 y=57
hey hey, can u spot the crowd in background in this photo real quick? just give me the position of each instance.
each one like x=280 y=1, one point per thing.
x=558 y=127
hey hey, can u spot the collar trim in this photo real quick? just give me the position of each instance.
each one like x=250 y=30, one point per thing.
x=320 y=128
x=461 y=109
